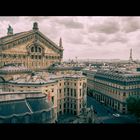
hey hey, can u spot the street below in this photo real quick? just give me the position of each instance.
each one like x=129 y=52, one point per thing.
x=105 y=114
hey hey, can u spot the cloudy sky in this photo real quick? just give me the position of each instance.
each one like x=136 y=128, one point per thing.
x=85 y=37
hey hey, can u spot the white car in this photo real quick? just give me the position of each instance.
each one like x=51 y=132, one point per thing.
x=102 y=102
x=116 y=115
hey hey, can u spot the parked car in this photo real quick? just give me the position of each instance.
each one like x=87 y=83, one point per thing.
x=116 y=115
x=102 y=102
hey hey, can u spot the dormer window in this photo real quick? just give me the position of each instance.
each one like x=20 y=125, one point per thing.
x=39 y=50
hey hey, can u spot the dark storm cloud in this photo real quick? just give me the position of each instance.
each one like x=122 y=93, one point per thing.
x=74 y=39
x=37 y=18
x=118 y=38
x=130 y=24
x=107 y=27
x=11 y=19
x=98 y=38
x=89 y=37
x=69 y=23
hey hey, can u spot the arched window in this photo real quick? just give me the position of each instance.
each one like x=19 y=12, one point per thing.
x=32 y=49
x=39 y=49
x=35 y=48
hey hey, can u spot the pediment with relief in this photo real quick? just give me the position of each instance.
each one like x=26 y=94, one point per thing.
x=28 y=38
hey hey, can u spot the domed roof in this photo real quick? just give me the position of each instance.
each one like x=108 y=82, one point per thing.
x=13 y=68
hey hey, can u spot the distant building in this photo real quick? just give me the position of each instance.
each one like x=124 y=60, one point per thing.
x=130 y=58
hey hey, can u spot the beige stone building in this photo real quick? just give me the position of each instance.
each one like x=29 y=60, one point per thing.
x=30 y=48
x=25 y=52
x=12 y=71
x=112 y=88
x=66 y=91
x=71 y=93
x=28 y=83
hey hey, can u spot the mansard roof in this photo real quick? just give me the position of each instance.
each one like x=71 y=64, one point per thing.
x=32 y=80
x=10 y=38
x=12 y=68
x=39 y=104
x=24 y=106
x=13 y=107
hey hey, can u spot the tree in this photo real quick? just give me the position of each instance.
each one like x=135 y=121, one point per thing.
x=133 y=106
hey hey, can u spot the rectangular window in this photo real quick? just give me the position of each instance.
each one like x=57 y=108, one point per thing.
x=74 y=106
x=71 y=90
x=59 y=90
x=53 y=99
x=52 y=90
x=64 y=105
x=74 y=91
x=80 y=92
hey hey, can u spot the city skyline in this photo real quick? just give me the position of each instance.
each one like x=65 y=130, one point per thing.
x=84 y=37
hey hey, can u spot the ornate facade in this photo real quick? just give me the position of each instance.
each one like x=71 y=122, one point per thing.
x=31 y=48
x=66 y=90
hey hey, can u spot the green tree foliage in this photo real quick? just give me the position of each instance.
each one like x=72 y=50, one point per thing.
x=133 y=106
